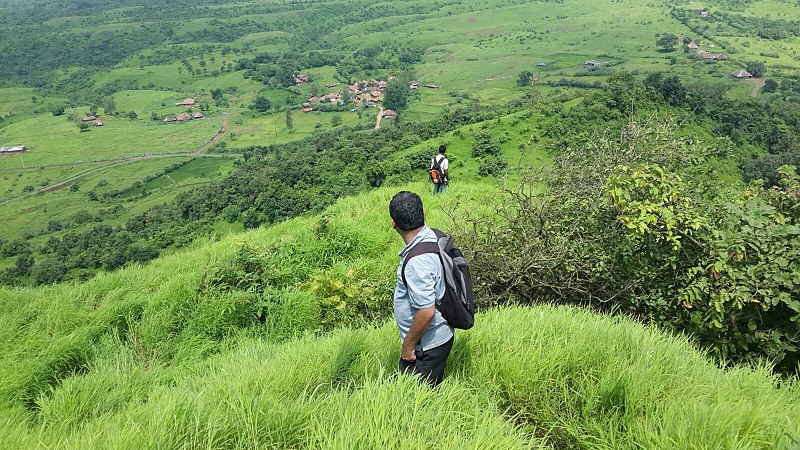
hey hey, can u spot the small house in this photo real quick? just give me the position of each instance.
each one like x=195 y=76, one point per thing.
x=300 y=78
x=593 y=63
x=413 y=84
x=97 y=123
x=741 y=74
x=308 y=109
x=14 y=149
x=388 y=113
x=197 y=115
x=88 y=118
x=704 y=13
x=540 y=64
x=186 y=102
x=705 y=55
x=692 y=46
x=432 y=86
x=182 y=117
x=169 y=119
x=331 y=85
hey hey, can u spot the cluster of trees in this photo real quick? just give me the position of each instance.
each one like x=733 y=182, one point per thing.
x=627 y=225
x=764 y=27
x=279 y=69
x=368 y=61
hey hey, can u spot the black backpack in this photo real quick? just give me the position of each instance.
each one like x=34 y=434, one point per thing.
x=458 y=304
x=435 y=173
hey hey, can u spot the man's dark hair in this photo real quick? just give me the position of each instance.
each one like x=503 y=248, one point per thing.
x=406 y=211
x=442 y=149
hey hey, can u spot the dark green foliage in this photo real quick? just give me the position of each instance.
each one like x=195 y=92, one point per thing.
x=756 y=68
x=669 y=88
x=485 y=144
x=49 y=270
x=492 y=165
x=618 y=228
x=524 y=78
x=396 y=96
x=109 y=105
x=770 y=86
x=262 y=104
x=766 y=167
x=58 y=110
x=667 y=41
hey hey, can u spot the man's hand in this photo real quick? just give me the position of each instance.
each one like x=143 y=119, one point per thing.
x=422 y=320
x=408 y=354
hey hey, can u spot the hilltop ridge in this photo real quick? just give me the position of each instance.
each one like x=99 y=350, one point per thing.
x=225 y=345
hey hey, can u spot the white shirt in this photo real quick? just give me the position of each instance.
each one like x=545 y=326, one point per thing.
x=443 y=166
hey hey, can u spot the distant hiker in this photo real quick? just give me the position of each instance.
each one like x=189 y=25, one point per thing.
x=425 y=335
x=439 y=173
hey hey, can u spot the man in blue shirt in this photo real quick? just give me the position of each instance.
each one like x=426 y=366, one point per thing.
x=425 y=335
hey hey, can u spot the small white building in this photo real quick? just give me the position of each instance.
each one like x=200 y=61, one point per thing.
x=14 y=149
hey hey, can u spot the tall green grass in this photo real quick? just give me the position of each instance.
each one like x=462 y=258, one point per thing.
x=167 y=356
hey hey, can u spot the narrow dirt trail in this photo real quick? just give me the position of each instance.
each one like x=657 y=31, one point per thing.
x=758 y=84
x=222 y=130
x=378 y=120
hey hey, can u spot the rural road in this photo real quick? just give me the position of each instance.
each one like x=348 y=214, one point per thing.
x=195 y=154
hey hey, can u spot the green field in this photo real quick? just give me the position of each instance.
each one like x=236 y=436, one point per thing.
x=56 y=140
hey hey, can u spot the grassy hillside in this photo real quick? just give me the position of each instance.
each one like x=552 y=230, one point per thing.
x=226 y=345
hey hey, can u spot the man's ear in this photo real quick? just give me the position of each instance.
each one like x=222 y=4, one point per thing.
x=394 y=225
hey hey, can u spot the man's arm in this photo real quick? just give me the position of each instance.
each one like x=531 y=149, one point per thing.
x=422 y=320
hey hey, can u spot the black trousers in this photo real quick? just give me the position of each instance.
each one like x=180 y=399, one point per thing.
x=430 y=363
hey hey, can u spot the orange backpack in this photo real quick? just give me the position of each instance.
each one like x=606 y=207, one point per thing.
x=436 y=175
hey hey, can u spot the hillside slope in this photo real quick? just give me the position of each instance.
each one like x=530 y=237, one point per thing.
x=226 y=346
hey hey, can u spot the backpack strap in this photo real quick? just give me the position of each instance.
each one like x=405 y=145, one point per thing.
x=421 y=248
x=437 y=164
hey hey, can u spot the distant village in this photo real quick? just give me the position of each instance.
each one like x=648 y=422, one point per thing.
x=185 y=116
x=367 y=93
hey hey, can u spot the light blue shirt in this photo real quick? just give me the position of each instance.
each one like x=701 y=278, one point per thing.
x=425 y=288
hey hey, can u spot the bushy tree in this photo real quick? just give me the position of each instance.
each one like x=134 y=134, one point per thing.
x=667 y=41
x=756 y=68
x=48 y=271
x=262 y=104
x=770 y=86
x=524 y=78
x=485 y=144
x=396 y=95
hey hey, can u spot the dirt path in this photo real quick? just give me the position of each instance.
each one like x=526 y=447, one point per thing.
x=222 y=129
x=757 y=83
x=378 y=120
x=498 y=78
x=195 y=154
